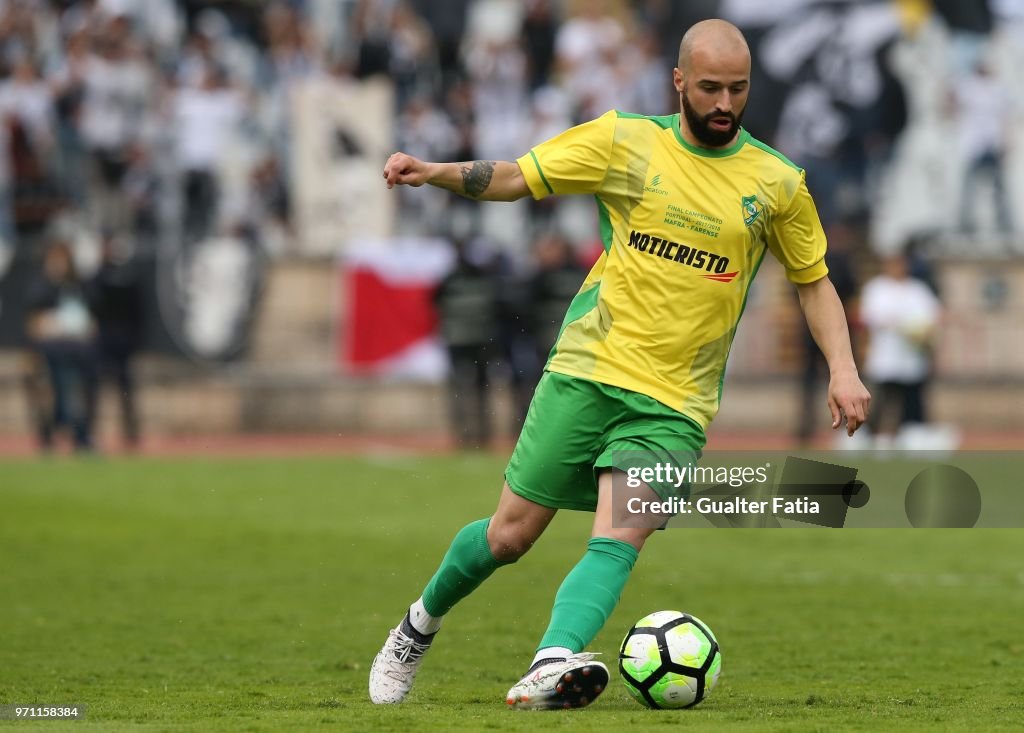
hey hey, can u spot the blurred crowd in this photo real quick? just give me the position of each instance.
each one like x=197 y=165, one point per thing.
x=137 y=115
x=174 y=115
x=83 y=331
x=129 y=116
x=169 y=123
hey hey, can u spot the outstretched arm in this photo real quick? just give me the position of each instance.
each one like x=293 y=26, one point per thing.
x=824 y=313
x=483 y=180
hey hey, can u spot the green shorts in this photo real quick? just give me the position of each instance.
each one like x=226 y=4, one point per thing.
x=576 y=427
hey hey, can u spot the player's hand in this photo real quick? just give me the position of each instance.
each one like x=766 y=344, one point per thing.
x=849 y=398
x=405 y=170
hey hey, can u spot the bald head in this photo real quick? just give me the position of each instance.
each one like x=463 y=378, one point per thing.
x=713 y=81
x=711 y=40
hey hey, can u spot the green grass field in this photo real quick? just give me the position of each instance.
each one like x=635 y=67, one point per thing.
x=252 y=595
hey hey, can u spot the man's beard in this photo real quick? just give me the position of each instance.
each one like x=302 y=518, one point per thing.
x=702 y=130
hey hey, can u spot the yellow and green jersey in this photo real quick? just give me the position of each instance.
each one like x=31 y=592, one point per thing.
x=684 y=231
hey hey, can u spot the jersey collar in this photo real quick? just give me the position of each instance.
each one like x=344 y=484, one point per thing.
x=741 y=140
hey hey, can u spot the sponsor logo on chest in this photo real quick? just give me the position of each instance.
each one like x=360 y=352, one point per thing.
x=711 y=266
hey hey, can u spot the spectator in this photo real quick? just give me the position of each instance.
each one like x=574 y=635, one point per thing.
x=212 y=43
x=26 y=97
x=372 y=21
x=139 y=191
x=467 y=305
x=67 y=79
x=289 y=54
x=269 y=205
x=587 y=48
x=447 y=21
x=117 y=99
x=414 y=62
x=984 y=118
x=534 y=310
x=900 y=314
x=332 y=25
x=26 y=106
x=62 y=331
x=555 y=283
x=115 y=299
x=205 y=119
x=649 y=86
x=540 y=27
x=157 y=24
x=498 y=71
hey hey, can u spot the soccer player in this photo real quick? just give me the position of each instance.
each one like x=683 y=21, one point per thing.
x=689 y=204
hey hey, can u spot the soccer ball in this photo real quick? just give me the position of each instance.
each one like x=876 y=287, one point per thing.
x=670 y=659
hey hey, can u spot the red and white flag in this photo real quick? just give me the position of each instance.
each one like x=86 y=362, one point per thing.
x=389 y=325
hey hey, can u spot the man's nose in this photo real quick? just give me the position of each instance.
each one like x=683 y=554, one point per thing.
x=724 y=101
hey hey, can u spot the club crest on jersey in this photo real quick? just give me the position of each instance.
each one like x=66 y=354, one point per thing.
x=751 y=209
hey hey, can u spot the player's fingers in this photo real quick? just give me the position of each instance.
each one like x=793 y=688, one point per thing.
x=854 y=417
x=393 y=169
x=858 y=412
x=833 y=407
x=862 y=409
x=852 y=423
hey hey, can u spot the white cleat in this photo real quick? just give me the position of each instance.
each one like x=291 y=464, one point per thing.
x=561 y=683
x=394 y=668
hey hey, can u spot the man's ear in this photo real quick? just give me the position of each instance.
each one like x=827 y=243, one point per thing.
x=677 y=79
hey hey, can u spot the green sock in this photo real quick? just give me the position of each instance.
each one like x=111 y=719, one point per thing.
x=466 y=565
x=589 y=593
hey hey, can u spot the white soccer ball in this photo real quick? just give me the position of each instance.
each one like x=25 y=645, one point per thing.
x=670 y=659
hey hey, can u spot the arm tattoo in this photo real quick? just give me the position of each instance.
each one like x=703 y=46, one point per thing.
x=477 y=178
